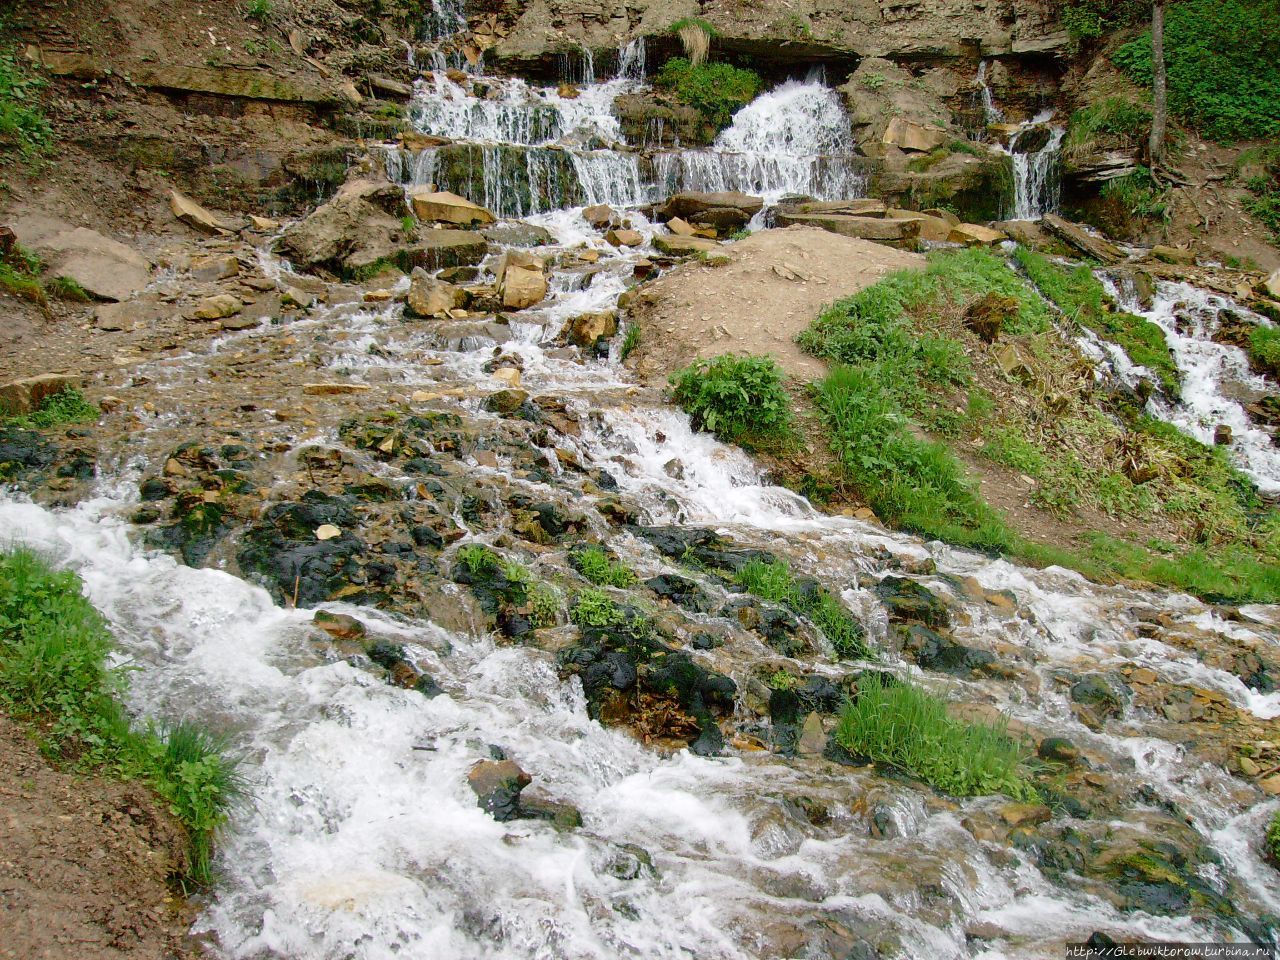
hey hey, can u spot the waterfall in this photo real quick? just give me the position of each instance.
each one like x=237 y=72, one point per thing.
x=631 y=61
x=990 y=112
x=447 y=18
x=1037 y=175
x=792 y=140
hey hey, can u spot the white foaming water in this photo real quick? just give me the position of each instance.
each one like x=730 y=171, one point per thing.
x=990 y=112
x=1189 y=316
x=1037 y=183
x=795 y=139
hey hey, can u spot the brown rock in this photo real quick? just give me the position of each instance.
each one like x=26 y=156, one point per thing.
x=599 y=216
x=685 y=246
x=1271 y=285
x=1017 y=814
x=972 y=235
x=218 y=306
x=1174 y=255
x=624 y=238
x=910 y=136
x=214 y=268
x=26 y=395
x=588 y=328
x=196 y=216
x=429 y=297
x=438 y=206
x=333 y=389
x=813 y=739
x=497 y=785
x=1104 y=251
x=880 y=229
x=339 y=625
x=680 y=227
x=522 y=286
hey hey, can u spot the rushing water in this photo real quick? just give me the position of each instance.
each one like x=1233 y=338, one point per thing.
x=1037 y=184
x=364 y=839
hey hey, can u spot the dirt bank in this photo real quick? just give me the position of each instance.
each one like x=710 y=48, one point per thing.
x=84 y=865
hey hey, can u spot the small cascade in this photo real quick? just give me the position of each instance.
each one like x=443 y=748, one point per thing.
x=990 y=112
x=1037 y=182
x=447 y=18
x=795 y=139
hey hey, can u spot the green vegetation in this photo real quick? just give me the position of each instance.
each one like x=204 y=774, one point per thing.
x=685 y=23
x=53 y=672
x=594 y=564
x=1272 y=845
x=906 y=727
x=595 y=608
x=773 y=581
x=23 y=126
x=781 y=680
x=1264 y=185
x=900 y=350
x=20 y=275
x=1139 y=194
x=65 y=406
x=1092 y=19
x=258 y=9
x=1223 y=75
x=1082 y=299
x=65 y=288
x=1264 y=350
x=544 y=605
x=631 y=341
x=716 y=90
x=739 y=399
x=1112 y=117
x=478 y=558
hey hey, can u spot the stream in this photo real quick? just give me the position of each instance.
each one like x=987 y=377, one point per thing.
x=363 y=838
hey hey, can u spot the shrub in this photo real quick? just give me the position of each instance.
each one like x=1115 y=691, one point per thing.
x=20 y=275
x=1091 y=19
x=908 y=728
x=1223 y=74
x=739 y=399
x=544 y=605
x=1264 y=204
x=23 y=125
x=54 y=648
x=716 y=90
x=594 y=564
x=65 y=406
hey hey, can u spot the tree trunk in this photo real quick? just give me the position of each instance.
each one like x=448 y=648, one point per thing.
x=1159 y=85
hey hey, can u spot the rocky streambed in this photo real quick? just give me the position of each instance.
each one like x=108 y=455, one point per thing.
x=468 y=598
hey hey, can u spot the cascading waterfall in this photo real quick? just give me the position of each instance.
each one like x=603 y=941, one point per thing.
x=795 y=139
x=990 y=112
x=1037 y=182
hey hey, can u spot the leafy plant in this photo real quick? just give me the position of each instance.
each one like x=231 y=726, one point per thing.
x=478 y=558
x=781 y=680
x=1111 y=117
x=544 y=605
x=716 y=90
x=1223 y=76
x=739 y=399
x=23 y=124
x=901 y=725
x=1139 y=194
x=594 y=564
x=65 y=406
x=1264 y=185
x=595 y=608
x=258 y=9
x=1272 y=839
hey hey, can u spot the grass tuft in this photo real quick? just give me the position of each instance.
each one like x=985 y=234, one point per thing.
x=908 y=728
x=594 y=564
x=774 y=581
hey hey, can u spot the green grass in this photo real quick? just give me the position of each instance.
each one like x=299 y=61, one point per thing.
x=594 y=564
x=686 y=22
x=544 y=605
x=1081 y=298
x=1223 y=74
x=631 y=341
x=24 y=128
x=54 y=648
x=1272 y=839
x=66 y=288
x=258 y=9
x=478 y=558
x=20 y=275
x=716 y=90
x=1139 y=194
x=1264 y=350
x=739 y=399
x=912 y=483
x=65 y=406
x=1109 y=118
x=908 y=728
x=773 y=581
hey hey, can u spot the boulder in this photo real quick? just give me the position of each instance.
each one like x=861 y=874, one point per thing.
x=586 y=329
x=1174 y=255
x=973 y=235
x=680 y=228
x=521 y=280
x=439 y=206
x=726 y=210
x=196 y=216
x=599 y=216
x=129 y=314
x=624 y=238
x=217 y=307
x=914 y=137
x=214 y=268
x=946 y=215
x=880 y=229
x=356 y=228
x=1029 y=233
x=26 y=395
x=105 y=268
x=933 y=229
x=1074 y=235
x=437 y=249
x=497 y=785
x=685 y=246
x=429 y=297
x=1016 y=361
x=518 y=235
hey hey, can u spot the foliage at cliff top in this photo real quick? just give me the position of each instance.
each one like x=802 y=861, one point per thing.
x=715 y=90
x=1224 y=76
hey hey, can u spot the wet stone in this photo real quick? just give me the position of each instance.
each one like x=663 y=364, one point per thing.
x=497 y=785
x=907 y=600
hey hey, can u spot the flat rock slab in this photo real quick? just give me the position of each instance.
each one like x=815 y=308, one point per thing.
x=25 y=396
x=107 y=269
x=880 y=229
